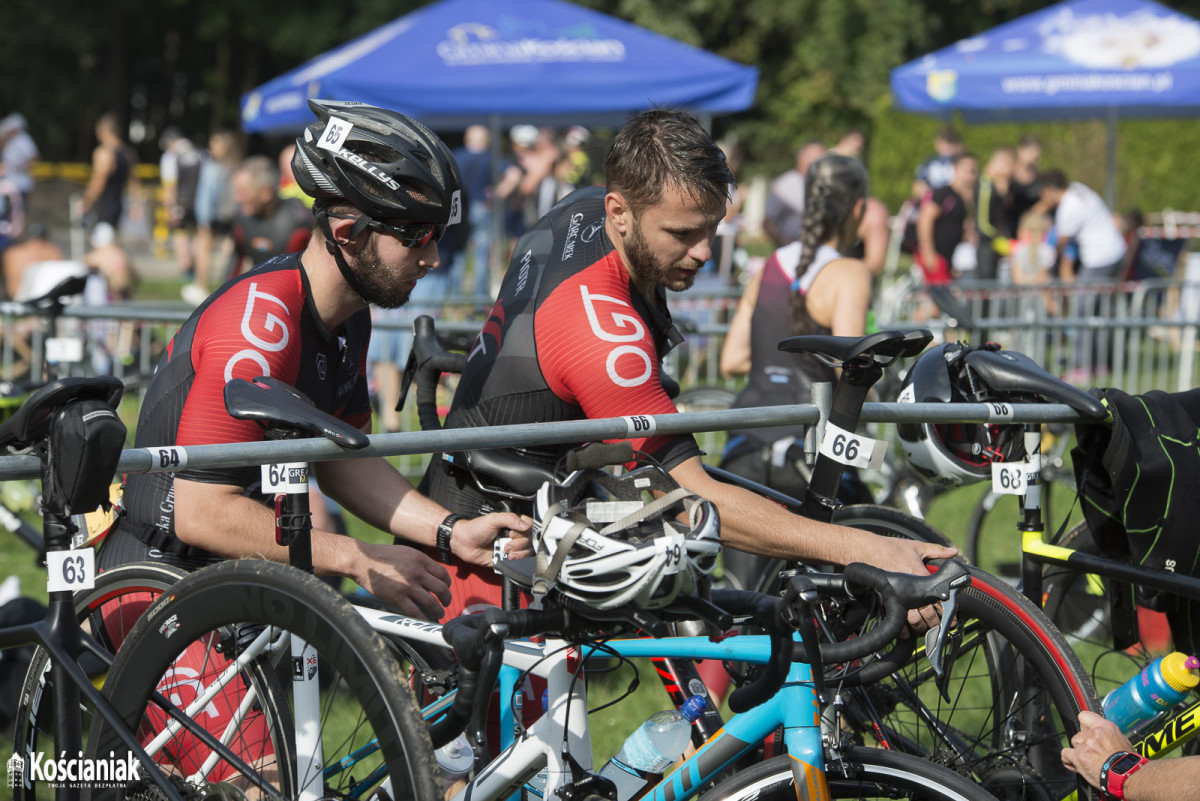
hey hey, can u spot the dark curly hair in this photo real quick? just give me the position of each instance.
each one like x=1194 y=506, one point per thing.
x=832 y=185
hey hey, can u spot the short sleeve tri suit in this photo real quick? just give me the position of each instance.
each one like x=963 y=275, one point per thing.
x=262 y=323
x=569 y=338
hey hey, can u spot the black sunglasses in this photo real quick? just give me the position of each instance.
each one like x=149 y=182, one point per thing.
x=411 y=235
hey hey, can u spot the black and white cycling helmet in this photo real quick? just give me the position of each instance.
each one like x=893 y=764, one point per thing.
x=608 y=542
x=953 y=454
x=381 y=162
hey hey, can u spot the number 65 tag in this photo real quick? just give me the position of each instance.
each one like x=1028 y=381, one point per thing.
x=851 y=449
x=71 y=570
x=1008 y=478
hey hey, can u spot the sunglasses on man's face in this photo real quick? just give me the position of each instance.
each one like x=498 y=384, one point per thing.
x=411 y=235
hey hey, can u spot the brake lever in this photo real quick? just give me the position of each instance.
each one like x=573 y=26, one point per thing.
x=939 y=635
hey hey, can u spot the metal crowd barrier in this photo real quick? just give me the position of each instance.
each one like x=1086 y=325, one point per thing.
x=173 y=459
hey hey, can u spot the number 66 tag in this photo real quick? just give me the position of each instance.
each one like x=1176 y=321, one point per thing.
x=851 y=449
x=71 y=570
x=1008 y=478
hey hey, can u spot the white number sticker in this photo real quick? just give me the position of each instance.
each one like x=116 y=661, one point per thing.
x=639 y=425
x=1000 y=412
x=673 y=547
x=64 y=350
x=170 y=458
x=288 y=478
x=851 y=449
x=1009 y=478
x=336 y=131
x=71 y=570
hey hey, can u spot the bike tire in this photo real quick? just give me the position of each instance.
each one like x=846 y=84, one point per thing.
x=370 y=728
x=862 y=773
x=34 y=728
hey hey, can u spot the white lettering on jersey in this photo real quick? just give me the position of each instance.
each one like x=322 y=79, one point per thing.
x=620 y=321
x=272 y=324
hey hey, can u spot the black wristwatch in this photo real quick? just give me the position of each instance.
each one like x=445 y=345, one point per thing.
x=1117 y=769
x=444 y=554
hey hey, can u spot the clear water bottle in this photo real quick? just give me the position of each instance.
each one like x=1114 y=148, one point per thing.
x=454 y=760
x=1161 y=685
x=653 y=748
x=536 y=787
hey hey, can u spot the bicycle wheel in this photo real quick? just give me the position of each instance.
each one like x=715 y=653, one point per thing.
x=201 y=646
x=1010 y=704
x=108 y=611
x=862 y=773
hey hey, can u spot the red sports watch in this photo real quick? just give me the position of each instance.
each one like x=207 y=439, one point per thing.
x=1116 y=771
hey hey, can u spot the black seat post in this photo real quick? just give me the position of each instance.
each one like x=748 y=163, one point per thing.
x=849 y=394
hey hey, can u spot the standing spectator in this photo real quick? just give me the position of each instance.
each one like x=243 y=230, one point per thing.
x=944 y=221
x=1082 y=219
x=785 y=202
x=112 y=177
x=1024 y=184
x=179 y=169
x=19 y=154
x=215 y=208
x=938 y=170
x=12 y=211
x=993 y=212
x=475 y=162
x=265 y=225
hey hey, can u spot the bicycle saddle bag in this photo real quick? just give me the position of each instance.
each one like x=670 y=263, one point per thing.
x=85 y=446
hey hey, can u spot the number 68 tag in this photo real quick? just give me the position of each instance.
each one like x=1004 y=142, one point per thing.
x=851 y=449
x=71 y=570
x=1008 y=478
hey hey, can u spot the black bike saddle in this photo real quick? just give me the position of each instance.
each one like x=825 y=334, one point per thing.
x=882 y=346
x=286 y=413
x=1009 y=372
x=31 y=423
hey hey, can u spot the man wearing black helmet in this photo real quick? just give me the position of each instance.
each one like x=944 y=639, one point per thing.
x=385 y=189
x=581 y=326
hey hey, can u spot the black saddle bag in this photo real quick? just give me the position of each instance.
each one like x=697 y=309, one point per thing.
x=85 y=446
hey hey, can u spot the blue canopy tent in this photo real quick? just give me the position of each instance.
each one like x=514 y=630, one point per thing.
x=458 y=62
x=1078 y=59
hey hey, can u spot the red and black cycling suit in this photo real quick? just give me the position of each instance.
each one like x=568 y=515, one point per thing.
x=263 y=323
x=569 y=338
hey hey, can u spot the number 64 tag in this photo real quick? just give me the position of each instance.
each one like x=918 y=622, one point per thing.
x=851 y=449
x=71 y=570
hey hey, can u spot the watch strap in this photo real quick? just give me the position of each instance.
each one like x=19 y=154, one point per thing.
x=1112 y=783
x=444 y=554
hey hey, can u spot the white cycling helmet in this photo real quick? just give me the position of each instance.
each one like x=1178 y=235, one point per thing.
x=608 y=542
x=952 y=454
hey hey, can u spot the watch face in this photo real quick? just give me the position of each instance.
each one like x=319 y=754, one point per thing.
x=1124 y=763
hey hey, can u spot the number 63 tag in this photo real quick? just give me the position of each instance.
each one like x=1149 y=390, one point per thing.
x=71 y=570
x=851 y=449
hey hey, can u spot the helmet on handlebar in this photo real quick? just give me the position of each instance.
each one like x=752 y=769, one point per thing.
x=606 y=541
x=379 y=161
x=953 y=453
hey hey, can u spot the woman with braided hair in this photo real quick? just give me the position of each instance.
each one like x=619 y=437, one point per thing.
x=806 y=287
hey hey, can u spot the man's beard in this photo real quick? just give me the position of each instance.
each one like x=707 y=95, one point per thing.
x=646 y=266
x=380 y=285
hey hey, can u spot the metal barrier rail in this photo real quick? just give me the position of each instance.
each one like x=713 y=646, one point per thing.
x=172 y=459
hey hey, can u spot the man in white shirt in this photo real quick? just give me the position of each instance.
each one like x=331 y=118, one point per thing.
x=785 y=203
x=1084 y=219
x=19 y=154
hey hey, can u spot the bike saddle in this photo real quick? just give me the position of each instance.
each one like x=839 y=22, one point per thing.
x=503 y=468
x=286 y=413
x=1010 y=372
x=884 y=346
x=31 y=423
x=72 y=285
